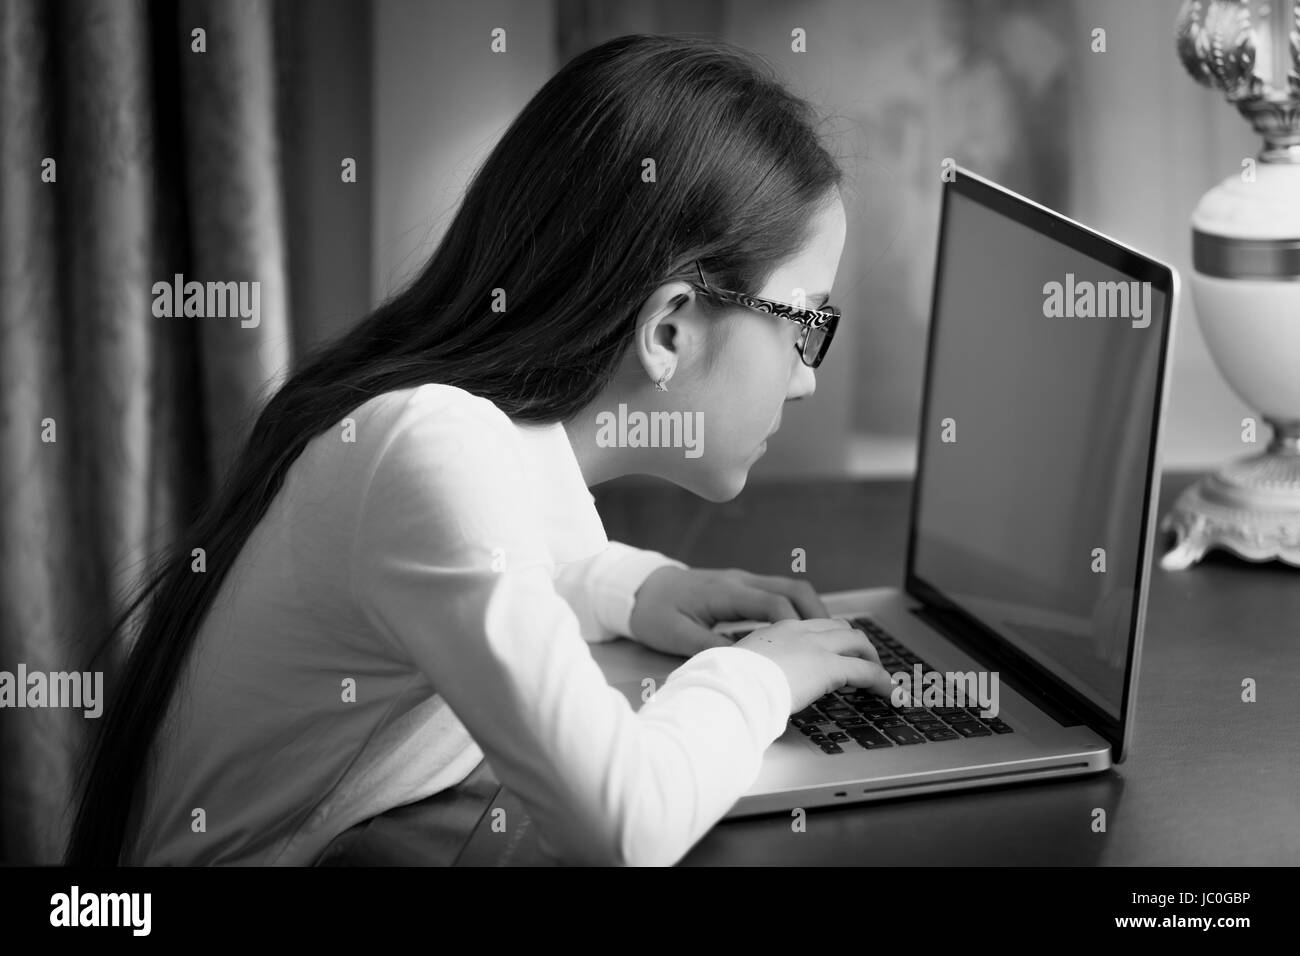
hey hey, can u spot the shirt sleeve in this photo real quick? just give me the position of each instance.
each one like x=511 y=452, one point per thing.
x=450 y=565
x=602 y=589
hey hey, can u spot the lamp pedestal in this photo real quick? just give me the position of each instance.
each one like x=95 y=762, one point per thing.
x=1250 y=507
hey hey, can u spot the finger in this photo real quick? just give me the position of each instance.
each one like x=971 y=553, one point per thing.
x=819 y=624
x=849 y=642
x=755 y=604
x=800 y=593
x=867 y=674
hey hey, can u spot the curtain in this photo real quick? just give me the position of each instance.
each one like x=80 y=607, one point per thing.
x=127 y=156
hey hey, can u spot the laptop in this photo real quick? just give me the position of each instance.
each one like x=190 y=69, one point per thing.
x=1017 y=632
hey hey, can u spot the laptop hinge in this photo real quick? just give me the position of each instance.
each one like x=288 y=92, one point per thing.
x=1010 y=673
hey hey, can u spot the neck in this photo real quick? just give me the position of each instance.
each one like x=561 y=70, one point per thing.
x=596 y=463
x=601 y=463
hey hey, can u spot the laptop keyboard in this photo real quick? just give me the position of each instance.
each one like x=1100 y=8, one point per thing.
x=856 y=718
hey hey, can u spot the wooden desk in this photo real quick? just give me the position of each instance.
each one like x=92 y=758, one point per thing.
x=1211 y=780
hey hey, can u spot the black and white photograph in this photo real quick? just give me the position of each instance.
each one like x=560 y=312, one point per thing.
x=534 y=434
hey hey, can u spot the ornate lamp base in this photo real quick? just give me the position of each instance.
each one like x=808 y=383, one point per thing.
x=1250 y=507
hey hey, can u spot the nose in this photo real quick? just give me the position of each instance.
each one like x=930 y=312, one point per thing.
x=803 y=382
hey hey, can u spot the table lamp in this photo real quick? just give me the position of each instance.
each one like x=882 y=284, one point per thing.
x=1245 y=280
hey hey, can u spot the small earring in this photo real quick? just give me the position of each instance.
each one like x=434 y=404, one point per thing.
x=659 y=385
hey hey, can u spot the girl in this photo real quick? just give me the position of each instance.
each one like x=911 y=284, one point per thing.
x=405 y=563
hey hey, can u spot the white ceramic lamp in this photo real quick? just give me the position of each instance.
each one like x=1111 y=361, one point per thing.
x=1246 y=280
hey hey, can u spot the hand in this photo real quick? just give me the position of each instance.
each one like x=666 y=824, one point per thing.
x=675 y=609
x=820 y=656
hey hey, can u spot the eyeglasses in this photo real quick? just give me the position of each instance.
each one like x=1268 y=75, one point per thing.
x=818 y=325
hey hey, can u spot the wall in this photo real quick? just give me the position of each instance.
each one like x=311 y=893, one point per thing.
x=441 y=99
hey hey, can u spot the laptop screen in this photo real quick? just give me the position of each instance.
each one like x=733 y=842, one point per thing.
x=1043 y=386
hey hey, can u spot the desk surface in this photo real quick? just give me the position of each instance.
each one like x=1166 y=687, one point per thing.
x=1211 y=780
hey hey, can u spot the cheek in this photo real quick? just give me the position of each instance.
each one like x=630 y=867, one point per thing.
x=747 y=388
x=759 y=389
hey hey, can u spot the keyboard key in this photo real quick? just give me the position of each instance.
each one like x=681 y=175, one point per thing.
x=868 y=706
x=948 y=711
x=941 y=734
x=871 y=739
x=839 y=736
x=851 y=722
x=889 y=722
x=819 y=739
x=810 y=729
x=998 y=727
x=865 y=731
x=972 y=730
x=932 y=724
x=832 y=749
x=903 y=735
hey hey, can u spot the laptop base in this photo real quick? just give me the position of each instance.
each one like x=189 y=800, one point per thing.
x=796 y=773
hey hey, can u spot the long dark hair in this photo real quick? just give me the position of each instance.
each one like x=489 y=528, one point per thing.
x=561 y=217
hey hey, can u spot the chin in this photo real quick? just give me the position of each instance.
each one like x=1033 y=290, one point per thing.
x=718 y=486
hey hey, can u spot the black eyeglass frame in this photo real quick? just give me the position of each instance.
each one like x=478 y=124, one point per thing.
x=827 y=318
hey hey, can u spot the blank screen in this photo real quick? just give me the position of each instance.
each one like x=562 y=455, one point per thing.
x=1046 y=473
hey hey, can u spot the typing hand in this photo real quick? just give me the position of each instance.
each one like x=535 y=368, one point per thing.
x=675 y=609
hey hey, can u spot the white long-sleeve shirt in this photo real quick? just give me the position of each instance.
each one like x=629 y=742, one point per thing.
x=419 y=597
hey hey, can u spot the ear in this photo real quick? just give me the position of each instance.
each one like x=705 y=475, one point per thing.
x=670 y=330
